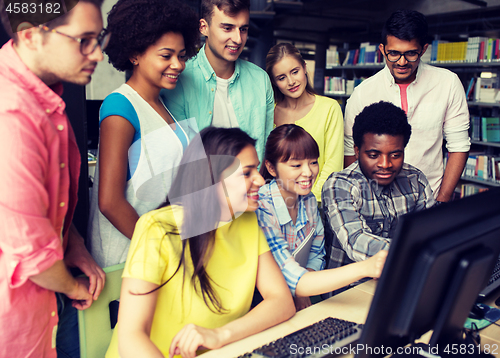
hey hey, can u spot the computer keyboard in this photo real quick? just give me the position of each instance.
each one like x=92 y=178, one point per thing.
x=321 y=339
x=493 y=283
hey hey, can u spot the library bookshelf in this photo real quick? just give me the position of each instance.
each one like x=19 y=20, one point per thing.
x=483 y=167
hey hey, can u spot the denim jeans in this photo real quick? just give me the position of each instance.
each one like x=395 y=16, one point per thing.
x=67 y=339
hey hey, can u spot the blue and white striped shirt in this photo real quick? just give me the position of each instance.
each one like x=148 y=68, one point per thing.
x=283 y=236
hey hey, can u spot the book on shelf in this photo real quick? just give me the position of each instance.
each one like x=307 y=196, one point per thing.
x=489 y=54
x=367 y=54
x=362 y=52
x=470 y=50
x=339 y=85
x=476 y=127
x=439 y=51
x=481 y=170
x=334 y=85
x=356 y=57
x=469 y=93
x=485 y=129
x=486 y=89
x=426 y=57
x=481 y=166
x=490 y=129
x=451 y=51
x=475 y=49
x=488 y=49
x=467 y=189
x=477 y=86
x=350 y=57
x=434 y=49
x=349 y=86
x=332 y=57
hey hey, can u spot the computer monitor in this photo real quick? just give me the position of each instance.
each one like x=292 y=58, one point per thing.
x=438 y=262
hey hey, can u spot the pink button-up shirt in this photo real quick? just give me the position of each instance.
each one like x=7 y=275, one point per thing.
x=39 y=172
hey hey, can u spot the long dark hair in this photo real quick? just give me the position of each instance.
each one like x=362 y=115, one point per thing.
x=286 y=142
x=275 y=55
x=194 y=188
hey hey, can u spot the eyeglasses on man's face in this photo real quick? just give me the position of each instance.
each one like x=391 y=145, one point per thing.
x=410 y=56
x=87 y=44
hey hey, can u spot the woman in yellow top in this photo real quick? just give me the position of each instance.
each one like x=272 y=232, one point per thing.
x=297 y=103
x=193 y=264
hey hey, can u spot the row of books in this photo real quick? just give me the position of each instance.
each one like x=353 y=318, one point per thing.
x=334 y=85
x=475 y=49
x=332 y=57
x=443 y=51
x=339 y=85
x=483 y=167
x=486 y=129
x=467 y=189
x=366 y=54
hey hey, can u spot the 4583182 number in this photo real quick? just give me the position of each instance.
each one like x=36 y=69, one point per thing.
x=33 y=8
x=469 y=349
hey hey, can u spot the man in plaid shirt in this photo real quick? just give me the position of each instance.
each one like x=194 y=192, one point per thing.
x=363 y=202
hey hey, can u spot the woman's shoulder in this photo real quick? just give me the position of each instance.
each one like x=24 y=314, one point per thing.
x=327 y=101
x=118 y=103
x=116 y=97
x=124 y=90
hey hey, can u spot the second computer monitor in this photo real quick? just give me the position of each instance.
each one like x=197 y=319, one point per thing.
x=438 y=262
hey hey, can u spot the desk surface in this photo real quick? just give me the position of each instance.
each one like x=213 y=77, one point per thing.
x=491 y=334
x=352 y=305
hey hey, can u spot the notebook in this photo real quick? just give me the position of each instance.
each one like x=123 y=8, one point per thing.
x=301 y=253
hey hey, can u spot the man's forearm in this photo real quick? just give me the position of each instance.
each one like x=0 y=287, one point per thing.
x=76 y=255
x=56 y=278
x=358 y=243
x=365 y=246
x=454 y=168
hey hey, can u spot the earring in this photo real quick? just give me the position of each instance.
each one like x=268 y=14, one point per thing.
x=134 y=63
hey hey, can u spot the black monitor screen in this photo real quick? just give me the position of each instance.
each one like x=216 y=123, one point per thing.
x=438 y=262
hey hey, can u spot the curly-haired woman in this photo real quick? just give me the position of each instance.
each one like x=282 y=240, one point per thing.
x=140 y=144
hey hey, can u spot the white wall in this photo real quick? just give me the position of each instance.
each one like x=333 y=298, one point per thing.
x=105 y=78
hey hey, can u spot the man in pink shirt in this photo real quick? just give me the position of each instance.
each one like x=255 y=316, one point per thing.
x=39 y=174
